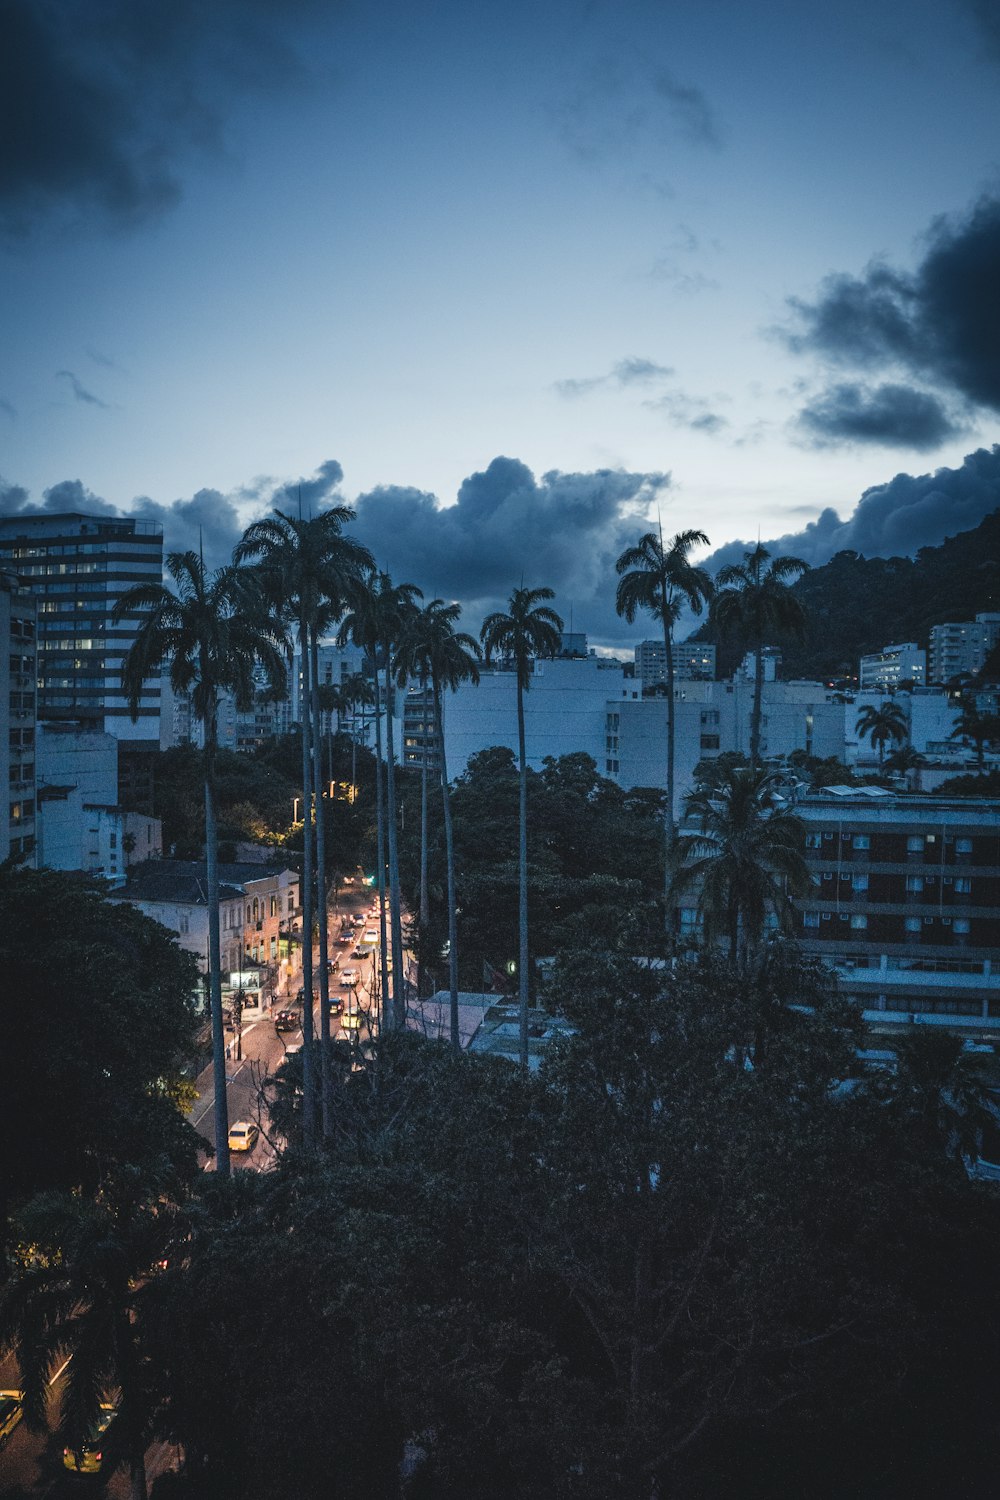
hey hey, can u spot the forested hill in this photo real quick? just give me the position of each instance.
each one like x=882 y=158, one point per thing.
x=858 y=604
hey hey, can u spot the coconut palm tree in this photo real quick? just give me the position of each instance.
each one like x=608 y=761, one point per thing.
x=433 y=650
x=213 y=629
x=531 y=629
x=663 y=581
x=85 y=1297
x=882 y=723
x=977 y=728
x=746 y=859
x=376 y=623
x=309 y=568
x=751 y=600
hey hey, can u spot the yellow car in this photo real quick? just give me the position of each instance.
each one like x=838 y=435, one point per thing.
x=11 y=1412
x=89 y=1457
x=243 y=1136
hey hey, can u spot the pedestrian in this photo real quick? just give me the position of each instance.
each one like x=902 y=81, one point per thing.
x=229 y=1051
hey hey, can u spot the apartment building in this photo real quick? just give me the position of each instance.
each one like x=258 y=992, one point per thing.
x=884 y=670
x=18 y=724
x=692 y=659
x=905 y=904
x=960 y=648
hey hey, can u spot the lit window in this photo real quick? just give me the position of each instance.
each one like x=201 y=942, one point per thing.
x=914 y=882
x=915 y=844
x=960 y=924
x=858 y=920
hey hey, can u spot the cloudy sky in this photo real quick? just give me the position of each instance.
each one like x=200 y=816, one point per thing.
x=512 y=280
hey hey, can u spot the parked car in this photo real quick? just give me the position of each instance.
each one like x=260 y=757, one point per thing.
x=11 y=1412
x=89 y=1457
x=243 y=1136
x=287 y=1020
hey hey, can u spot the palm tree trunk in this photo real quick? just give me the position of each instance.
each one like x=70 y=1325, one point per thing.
x=425 y=905
x=522 y=882
x=449 y=851
x=668 y=822
x=308 y=1059
x=215 y=955
x=395 y=919
x=324 y=972
x=758 y=698
x=384 y=1018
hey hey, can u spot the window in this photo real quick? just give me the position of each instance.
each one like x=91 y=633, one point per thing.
x=612 y=768
x=859 y=882
x=709 y=716
x=861 y=841
x=913 y=924
x=814 y=840
x=963 y=885
x=274 y=905
x=914 y=882
x=963 y=846
x=710 y=742
x=183 y=922
x=915 y=843
x=810 y=919
x=960 y=924
x=858 y=921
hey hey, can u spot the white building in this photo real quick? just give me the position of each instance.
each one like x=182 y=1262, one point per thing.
x=80 y=824
x=960 y=648
x=747 y=669
x=892 y=665
x=692 y=659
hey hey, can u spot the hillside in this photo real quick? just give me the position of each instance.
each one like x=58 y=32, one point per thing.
x=858 y=604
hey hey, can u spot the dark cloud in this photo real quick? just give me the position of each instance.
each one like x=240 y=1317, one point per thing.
x=692 y=412
x=80 y=392
x=894 y=519
x=939 y=324
x=689 y=110
x=104 y=100
x=562 y=531
x=627 y=372
x=895 y=416
x=13 y=498
x=315 y=493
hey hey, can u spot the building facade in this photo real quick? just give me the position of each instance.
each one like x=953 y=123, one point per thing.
x=959 y=649
x=887 y=668
x=18 y=724
x=905 y=902
x=692 y=659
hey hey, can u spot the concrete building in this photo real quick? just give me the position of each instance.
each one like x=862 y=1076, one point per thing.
x=81 y=824
x=747 y=669
x=18 y=724
x=692 y=659
x=905 y=903
x=960 y=649
x=887 y=668
x=260 y=917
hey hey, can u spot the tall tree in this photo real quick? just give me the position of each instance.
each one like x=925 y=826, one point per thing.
x=745 y=861
x=310 y=569
x=530 y=629
x=434 y=650
x=213 y=629
x=976 y=728
x=752 y=599
x=882 y=723
x=662 y=580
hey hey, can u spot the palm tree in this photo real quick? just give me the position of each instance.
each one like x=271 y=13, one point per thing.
x=213 y=630
x=752 y=600
x=356 y=692
x=435 y=651
x=308 y=567
x=981 y=729
x=746 y=859
x=85 y=1296
x=882 y=723
x=662 y=580
x=376 y=624
x=530 y=630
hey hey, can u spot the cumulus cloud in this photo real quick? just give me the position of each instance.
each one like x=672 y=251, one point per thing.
x=104 y=100
x=939 y=324
x=80 y=392
x=627 y=372
x=891 y=415
x=563 y=531
x=894 y=519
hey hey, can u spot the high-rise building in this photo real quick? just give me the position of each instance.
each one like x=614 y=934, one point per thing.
x=959 y=648
x=77 y=567
x=692 y=660
x=18 y=729
x=892 y=665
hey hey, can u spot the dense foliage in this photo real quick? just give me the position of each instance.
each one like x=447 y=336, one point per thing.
x=855 y=604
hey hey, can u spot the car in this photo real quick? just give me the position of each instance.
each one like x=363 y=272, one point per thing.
x=287 y=1020
x=349 y=977
x=346 y=938
x=351 y=1020
x=333 y=964
x=361 y=952
x=11 y=1412
x=335 y=1004
x=371 y=935
x=243 y=1136
x=89 y=1457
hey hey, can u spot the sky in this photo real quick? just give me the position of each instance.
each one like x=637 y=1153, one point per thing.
x=517 y=283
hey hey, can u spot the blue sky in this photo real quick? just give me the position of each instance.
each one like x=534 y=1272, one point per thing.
x=727 y=263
